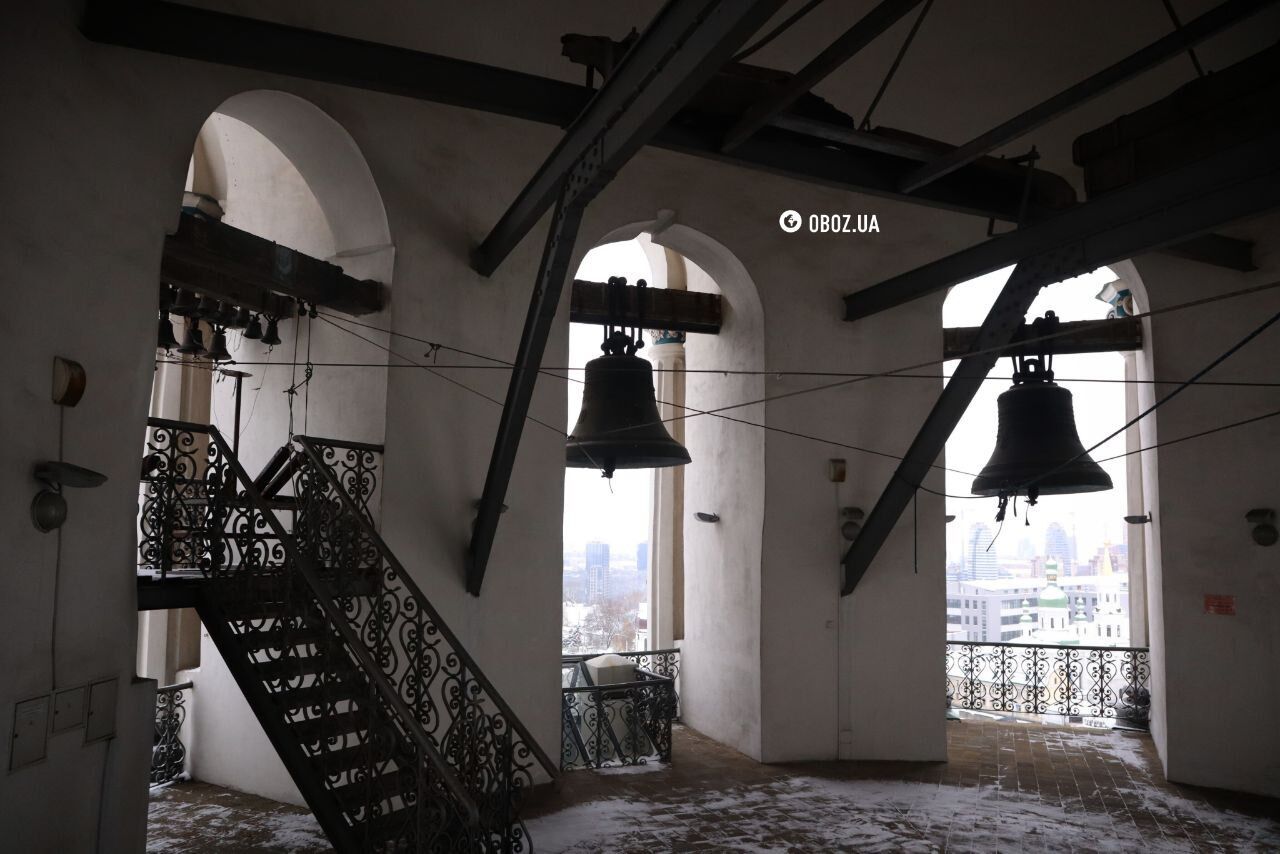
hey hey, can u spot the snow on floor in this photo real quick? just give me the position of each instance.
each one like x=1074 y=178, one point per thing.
x=197 y=817
x=809 y=813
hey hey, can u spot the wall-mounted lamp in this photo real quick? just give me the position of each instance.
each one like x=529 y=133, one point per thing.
x=49 y=508
x=852 y=522
x=1139 y=520
x=1263 y=520
x=706 y=517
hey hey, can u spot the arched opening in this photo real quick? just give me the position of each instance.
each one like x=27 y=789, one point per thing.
x=702 y=583
x=1070 y=572
x=265 y=165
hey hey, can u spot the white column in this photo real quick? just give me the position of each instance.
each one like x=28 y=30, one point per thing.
x=1136 y=551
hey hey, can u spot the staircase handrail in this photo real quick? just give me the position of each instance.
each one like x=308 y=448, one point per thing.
x=371 y=669
x=308 y=444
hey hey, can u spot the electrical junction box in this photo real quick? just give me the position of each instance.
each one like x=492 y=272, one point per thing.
x=29 y=737
x=68 y=709
x=610 y=669
x=101 y=722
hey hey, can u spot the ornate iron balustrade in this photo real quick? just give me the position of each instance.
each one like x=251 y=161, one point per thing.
x=662 y=662
x=275 y=604
x=485 y=744
x=622 y=724
x=1100 y=682
x=168 y=753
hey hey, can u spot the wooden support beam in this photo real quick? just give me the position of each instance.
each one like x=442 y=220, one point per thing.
x=1076 y=336
x=214 y=258
x=647 y=308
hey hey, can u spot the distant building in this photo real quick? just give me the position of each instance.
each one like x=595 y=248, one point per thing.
x=598 y=587
x=980 y=559
x=990 y=611
x=642 y=557
x=1058 y=546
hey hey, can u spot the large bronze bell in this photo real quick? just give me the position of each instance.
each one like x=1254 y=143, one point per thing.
x=1038 y=451
x=619 y=426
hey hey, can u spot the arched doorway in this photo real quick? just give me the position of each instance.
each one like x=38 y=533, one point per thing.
x=1065 y=575
x=704 y=576
x=270 y=166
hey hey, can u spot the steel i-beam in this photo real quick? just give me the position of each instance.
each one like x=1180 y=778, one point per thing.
x=1001 y=326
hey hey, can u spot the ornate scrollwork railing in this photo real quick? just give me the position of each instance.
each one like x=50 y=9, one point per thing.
x=168 y=753
x=662 y=662
x=620 y=724
x=487 y=746
x=274 y=602
x=1100 y=682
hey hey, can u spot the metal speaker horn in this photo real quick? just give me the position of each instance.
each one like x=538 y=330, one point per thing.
x=1038 y=451
x=619 y=426
x=192 y=340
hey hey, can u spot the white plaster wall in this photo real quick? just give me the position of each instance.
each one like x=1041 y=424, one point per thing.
x=1216 y=668
x=720 y=653
x=100 y=147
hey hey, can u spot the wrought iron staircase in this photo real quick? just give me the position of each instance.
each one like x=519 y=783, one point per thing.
x=393 y=735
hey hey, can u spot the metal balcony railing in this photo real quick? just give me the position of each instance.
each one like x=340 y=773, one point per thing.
x=625 y=723
x=168 y=752
x=1072 y=681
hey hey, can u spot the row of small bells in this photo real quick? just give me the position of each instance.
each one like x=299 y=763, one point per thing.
x=219 y=314
x=1038 y=449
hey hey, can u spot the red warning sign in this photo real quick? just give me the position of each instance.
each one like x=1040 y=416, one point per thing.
x=1220 y=604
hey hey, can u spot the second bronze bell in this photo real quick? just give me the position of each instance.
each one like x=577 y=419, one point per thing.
x=619 y=426
x=1038 y=451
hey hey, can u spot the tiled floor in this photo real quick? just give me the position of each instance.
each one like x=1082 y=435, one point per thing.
x=1007 y=788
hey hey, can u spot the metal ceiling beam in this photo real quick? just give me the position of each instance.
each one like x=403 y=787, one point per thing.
x=552 y=272
x=1001 y=325
x=681 y=49
x=1179 y=41
x=684 y=46
x=1233 y=184
x=193 y=33
x=201 y=34
x=1217 y=250
x=868 y=29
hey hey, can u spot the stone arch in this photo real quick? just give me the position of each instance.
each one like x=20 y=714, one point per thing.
x=721 y=647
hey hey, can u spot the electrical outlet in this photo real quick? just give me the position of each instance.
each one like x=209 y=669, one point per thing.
x=29 y=737
x=101 y=722
x=68 y=709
